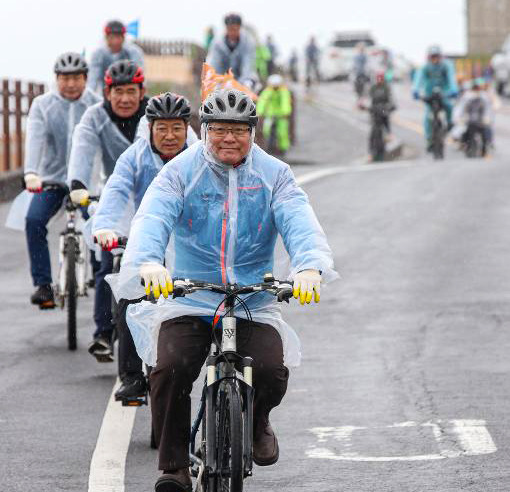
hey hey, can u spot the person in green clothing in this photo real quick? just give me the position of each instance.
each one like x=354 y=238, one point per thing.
x=275 y=105
x=262 y=59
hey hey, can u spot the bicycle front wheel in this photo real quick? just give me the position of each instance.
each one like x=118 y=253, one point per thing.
x=229 y=456
x=71 y=292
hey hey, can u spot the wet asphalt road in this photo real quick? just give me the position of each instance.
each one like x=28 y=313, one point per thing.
x=403 y=385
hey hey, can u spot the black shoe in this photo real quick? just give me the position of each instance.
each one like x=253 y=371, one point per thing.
x=101 y=348
x=91 y=283
x=43 y=297
x=133 y=387
x=174 y=481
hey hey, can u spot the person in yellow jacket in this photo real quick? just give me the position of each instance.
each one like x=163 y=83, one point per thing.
x=275 y=104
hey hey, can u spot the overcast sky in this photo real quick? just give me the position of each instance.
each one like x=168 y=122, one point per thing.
x=34 y=32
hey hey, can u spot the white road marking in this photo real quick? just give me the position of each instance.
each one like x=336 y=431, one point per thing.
x=109 y=459
x=465 y=438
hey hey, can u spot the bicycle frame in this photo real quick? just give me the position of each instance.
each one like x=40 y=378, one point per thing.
x=81 y=257
x=221 y=366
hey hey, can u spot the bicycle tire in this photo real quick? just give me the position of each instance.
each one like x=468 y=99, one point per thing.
x=438 y=143
x=71 y=292
x=377 y=147
x=229 y=440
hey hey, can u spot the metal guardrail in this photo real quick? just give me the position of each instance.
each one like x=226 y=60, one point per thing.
x=16 y=98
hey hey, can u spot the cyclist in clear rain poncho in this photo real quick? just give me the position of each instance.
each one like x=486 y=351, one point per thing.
x=221 y=205
x=168 y=116
x=50 y=125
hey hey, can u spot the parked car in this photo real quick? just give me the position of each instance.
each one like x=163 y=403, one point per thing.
x=337 y=57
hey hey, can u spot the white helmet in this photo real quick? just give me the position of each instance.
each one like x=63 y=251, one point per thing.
x=275 y=80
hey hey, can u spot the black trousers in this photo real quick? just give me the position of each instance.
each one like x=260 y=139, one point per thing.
x=130 y=363
x=183 y=347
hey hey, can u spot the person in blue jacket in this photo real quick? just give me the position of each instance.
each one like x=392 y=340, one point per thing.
x=168 y=115
x=437 y=73
x=115 y=48
x=50 y=125
x=235 y=50
x=223 y=202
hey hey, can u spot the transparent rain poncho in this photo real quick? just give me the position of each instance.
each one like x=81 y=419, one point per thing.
x=222 y=224
x=102 y=58
x=134 y=171
x=96 y=134
x=50 y=125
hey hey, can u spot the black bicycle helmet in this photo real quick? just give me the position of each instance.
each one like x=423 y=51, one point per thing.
x=168 y=106
x=70 y=62
x=123 y=72
x=114 y=27
x=228 y=105
x=233 y=19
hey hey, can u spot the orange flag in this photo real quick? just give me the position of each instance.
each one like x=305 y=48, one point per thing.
x=212 y=81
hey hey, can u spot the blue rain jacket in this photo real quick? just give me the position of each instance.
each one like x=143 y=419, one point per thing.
x=436 y=75
x=224 y=223
x=133 y=173
x=102 y=58
x=241 y=59
x=50 y=125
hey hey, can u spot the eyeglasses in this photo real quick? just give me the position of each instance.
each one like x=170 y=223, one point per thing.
x=221 y=131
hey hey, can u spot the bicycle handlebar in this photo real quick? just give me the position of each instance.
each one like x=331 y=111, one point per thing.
x=280 y=289
x=57 y=185
x=121 y=243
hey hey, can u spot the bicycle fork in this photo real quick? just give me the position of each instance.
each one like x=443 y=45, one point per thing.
x=220 y=366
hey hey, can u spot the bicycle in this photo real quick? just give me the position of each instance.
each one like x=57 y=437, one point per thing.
x=379 y=113
x=475 y=140
x=225 y=417
x=360 y=82
x=73 y=253
x=438 y=125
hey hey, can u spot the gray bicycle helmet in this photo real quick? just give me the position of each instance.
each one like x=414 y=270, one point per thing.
x=233 y=18
x=123 y=72
x=228 y=105
x=168 y=106
x=70 y=63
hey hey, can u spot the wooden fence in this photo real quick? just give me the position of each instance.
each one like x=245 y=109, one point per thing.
x=16 y=98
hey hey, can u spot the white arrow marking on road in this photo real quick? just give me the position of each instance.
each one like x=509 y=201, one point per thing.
x=471 y=436
x=109 y=459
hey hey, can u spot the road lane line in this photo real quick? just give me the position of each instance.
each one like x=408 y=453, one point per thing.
x=473 y=437
x=470 y=438
x=107 y=468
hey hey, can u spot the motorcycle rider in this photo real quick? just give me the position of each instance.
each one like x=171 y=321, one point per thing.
x=50 y=124
x=168 y=118
x=115 y=48
x=236 y=51
x=223 y=201
x=108 y=128
x=436 y=74
x=275 y=105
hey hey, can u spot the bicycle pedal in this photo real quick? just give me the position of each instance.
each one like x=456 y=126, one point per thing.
x=134 y=401
x=47 y=305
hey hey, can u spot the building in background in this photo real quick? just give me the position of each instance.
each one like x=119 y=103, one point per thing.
x=488 y=25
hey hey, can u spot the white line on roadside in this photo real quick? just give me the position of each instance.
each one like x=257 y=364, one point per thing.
x=467 y=438
x=109 y=459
